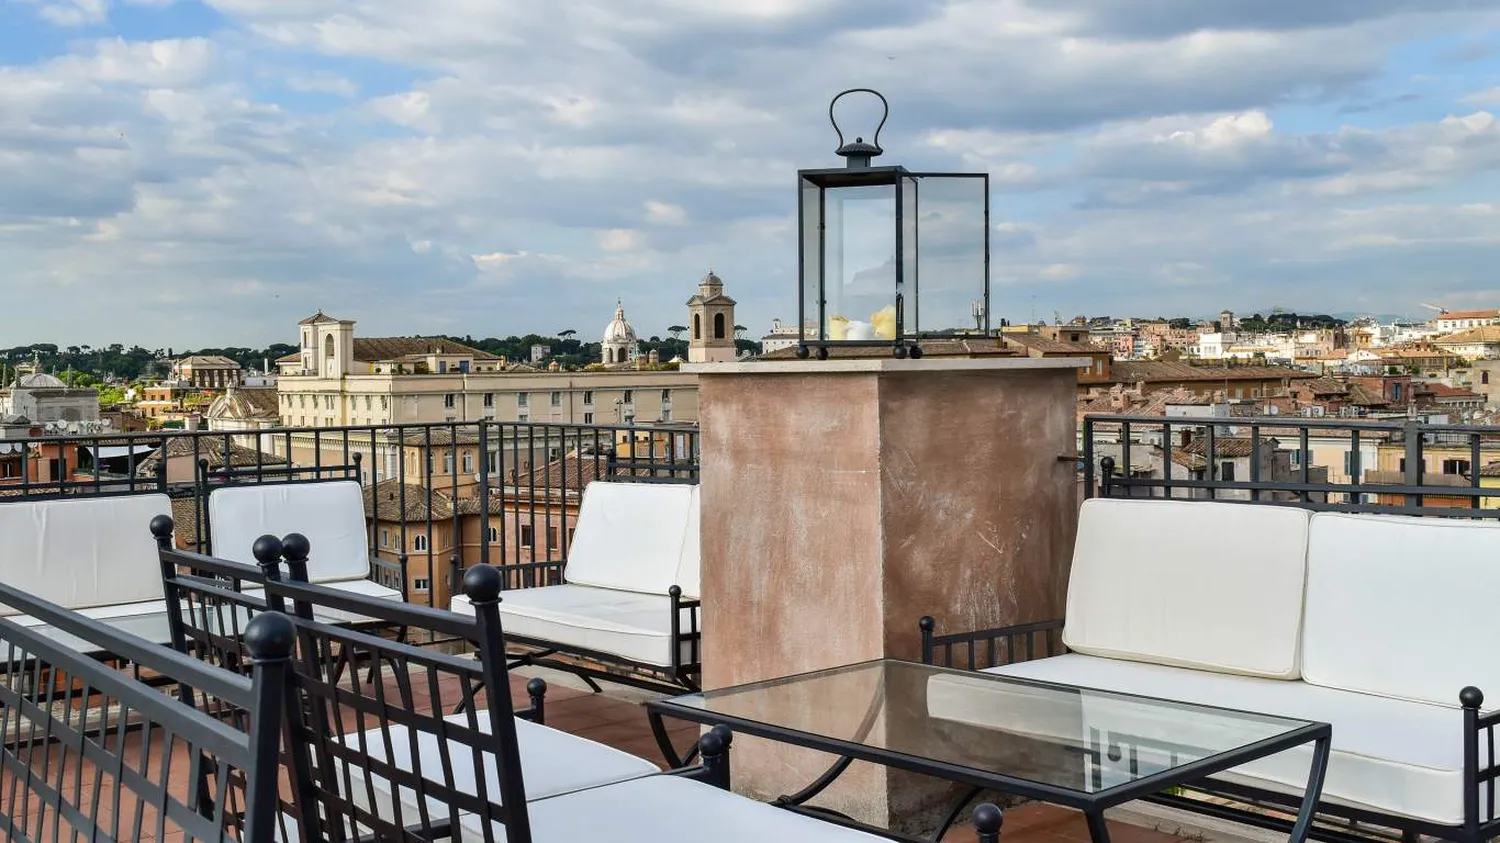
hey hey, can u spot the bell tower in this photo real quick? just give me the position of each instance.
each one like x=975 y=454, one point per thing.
x=710 y=323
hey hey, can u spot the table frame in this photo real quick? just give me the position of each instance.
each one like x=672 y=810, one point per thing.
x=1092 y=805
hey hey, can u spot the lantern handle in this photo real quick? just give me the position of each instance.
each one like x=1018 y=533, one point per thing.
x=874 y=141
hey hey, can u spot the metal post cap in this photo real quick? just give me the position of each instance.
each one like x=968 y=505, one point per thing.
x=270 y=637
x=296 y=546
x=482 y=584
x=267 y=550
x=162 y=526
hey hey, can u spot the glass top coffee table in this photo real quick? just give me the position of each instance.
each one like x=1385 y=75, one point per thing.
x=1077 y=747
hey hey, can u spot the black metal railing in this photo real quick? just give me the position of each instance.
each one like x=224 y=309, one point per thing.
x=1403 y=467
x=438 y=497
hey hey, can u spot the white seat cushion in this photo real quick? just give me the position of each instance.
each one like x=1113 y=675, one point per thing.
x=630 y=536
x=627 y=624
x=361 y=587
x=331 y=515
x=82 y=553
x=669 y=809
x=553 y=762
x=1209 y=598
x=1402 y=606
x=1390 y=755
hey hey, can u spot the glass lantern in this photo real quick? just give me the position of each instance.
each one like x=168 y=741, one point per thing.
x=888 y=257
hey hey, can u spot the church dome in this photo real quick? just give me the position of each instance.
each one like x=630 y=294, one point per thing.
x=619 y=330
x=40 y=380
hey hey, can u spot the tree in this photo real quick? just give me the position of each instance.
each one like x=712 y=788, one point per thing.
x=739 y=332
x=676 y=331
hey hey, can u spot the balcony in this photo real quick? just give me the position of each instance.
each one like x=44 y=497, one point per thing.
x=441 y=499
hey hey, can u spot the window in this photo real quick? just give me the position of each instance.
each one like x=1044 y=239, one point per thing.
x=1401 y=465
x=328 y=346
x=419 y=584
x=489 y=399
x=588 y=418
x=588 y=397
x=463 y=366
x=1395 y=392
x=552 y=539
x=628 y=397
x=522 y=399
x=666 y=396
x=328 y=402
x=1296 y=459
x=448 y=401
x=666 y=412
x=442 y=367
x=367 y=403
x=1226 y=471
x=419 y=543
x=697 y=327
x=526 y=535
x=384 y=403
x=1484 y=377
x=1455 y=466
x=718 y=326
x=493 y=461
x=494 y=535
x=448 y=462
x=556 y=398
x=523 y=417
x=302 y=401
x=468 y=462
x=385 y=537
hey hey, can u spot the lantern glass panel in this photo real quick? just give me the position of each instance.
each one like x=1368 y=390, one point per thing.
x=811 y=213
x=859 y=262
x=951 y=249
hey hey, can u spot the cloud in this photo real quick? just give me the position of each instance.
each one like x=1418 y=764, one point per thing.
x=324 y=84
x=523 y=164
x=665 y=213
x=620 y=240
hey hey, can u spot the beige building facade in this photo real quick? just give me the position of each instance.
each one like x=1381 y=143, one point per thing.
x=337 y=379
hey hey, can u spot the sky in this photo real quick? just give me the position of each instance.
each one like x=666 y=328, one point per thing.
x=195 y=174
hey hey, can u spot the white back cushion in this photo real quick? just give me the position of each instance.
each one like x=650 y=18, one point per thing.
x=1214 y=586
x=83 y=552
x=1402 y=606
x=331 y=515
x=689 y=564
x=629 y=536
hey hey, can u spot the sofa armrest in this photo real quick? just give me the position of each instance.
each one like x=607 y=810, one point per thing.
x=517 y=575
x=687 y=631
x=390 y=574
x=982 y=648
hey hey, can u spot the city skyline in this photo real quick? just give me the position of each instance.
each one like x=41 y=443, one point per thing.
x=210 y=172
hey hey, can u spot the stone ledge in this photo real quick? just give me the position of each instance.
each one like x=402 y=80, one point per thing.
x=891 y=366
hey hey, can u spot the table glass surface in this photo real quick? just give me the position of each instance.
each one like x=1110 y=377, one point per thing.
x=1074 y=738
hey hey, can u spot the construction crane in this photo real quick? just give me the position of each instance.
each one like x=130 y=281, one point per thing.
x=1435 y=308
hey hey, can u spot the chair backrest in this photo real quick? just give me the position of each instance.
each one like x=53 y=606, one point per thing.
x=1402 y=606
x=365 y=694
x=62 y=720
x=82 y=552
x=331 y=514
x=630 y=537
x=1212 y=586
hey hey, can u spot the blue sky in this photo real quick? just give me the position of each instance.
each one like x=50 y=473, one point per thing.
x=206 y=173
